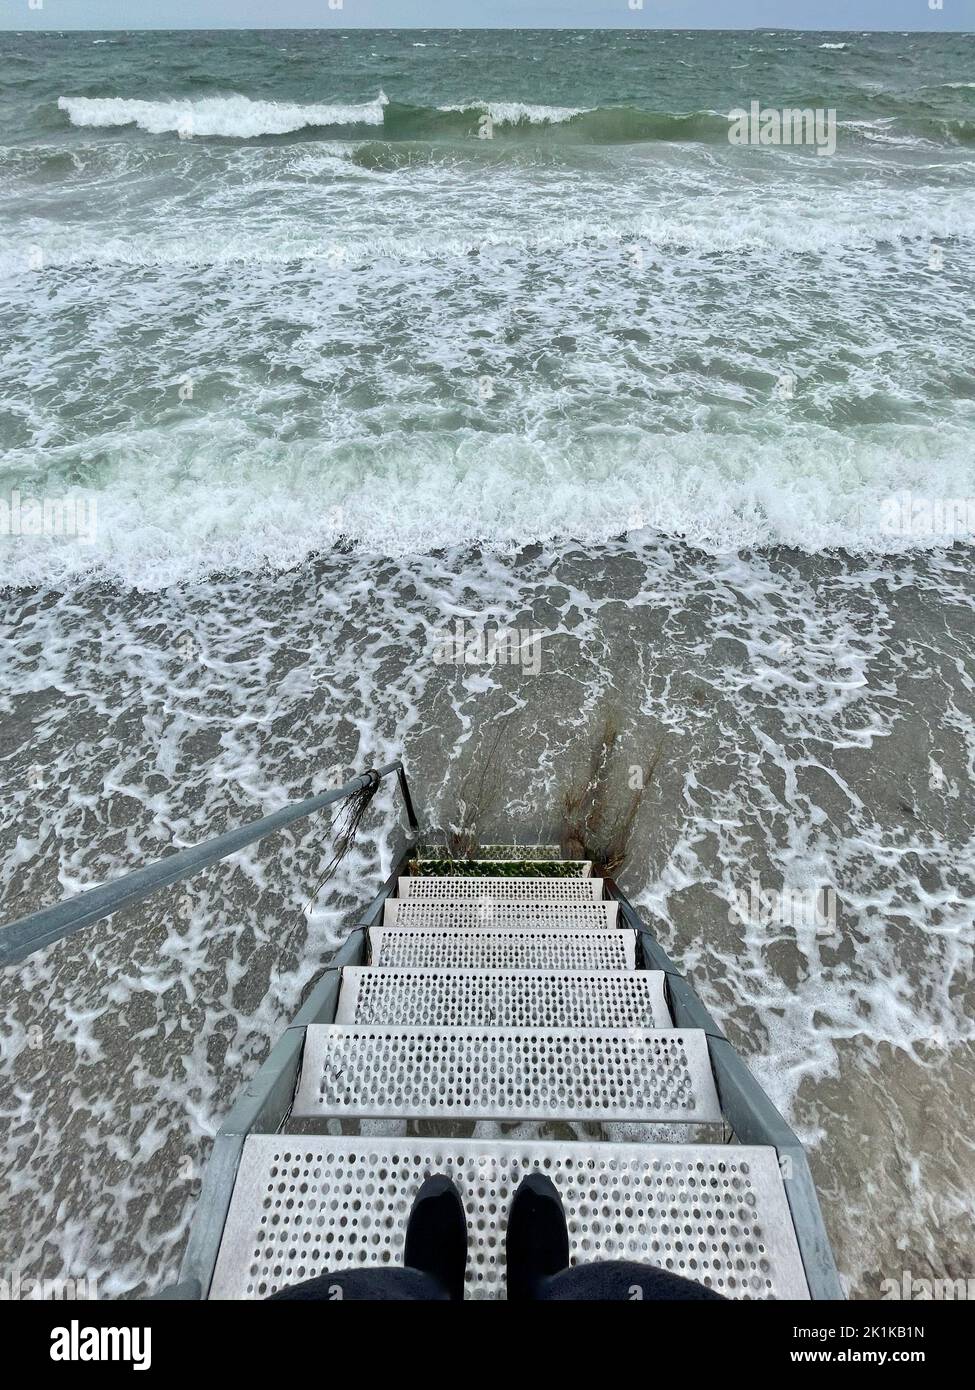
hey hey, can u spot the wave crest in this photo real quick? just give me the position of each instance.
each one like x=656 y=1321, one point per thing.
x=234 y=117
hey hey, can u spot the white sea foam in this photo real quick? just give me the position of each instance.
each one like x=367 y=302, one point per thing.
x=801 y=226
x=625 y=414
x=171 y=514
x=884 y=131
x=513 y=112
x=237 y=117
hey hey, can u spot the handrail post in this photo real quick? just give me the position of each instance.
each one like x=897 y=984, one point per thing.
x=404 y=787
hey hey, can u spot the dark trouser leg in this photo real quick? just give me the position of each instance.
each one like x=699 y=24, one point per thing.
x=619 y=1281
x=395 y=1285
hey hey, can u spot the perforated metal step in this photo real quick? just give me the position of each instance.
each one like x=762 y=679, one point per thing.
x=498 y=948
x=488 y=913
x=507 y=1073
x=308 y=1206
x=505 y=998
x=503 y=889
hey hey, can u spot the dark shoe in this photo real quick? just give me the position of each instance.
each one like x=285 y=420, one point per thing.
x=436 y=1235
x=537 y=1240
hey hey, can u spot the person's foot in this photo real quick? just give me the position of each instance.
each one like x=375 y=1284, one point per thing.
x=537 y=1240
x=436 y=1235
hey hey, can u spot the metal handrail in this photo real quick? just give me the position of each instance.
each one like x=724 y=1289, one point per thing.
x=19 y=939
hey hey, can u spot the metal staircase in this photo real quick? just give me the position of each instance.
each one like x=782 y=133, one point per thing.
x=489 y=997
x=486 y=1018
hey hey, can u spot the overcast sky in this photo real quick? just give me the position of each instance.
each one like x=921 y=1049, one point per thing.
x=485 y=14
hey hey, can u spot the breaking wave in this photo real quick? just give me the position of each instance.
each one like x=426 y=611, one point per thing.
x=242 y=118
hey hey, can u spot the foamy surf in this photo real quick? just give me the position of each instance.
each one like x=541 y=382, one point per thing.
x=175 y=509
x=514 y=112
x=233 y=117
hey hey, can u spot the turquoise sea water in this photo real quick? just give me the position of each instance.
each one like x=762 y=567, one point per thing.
x=264 y=290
